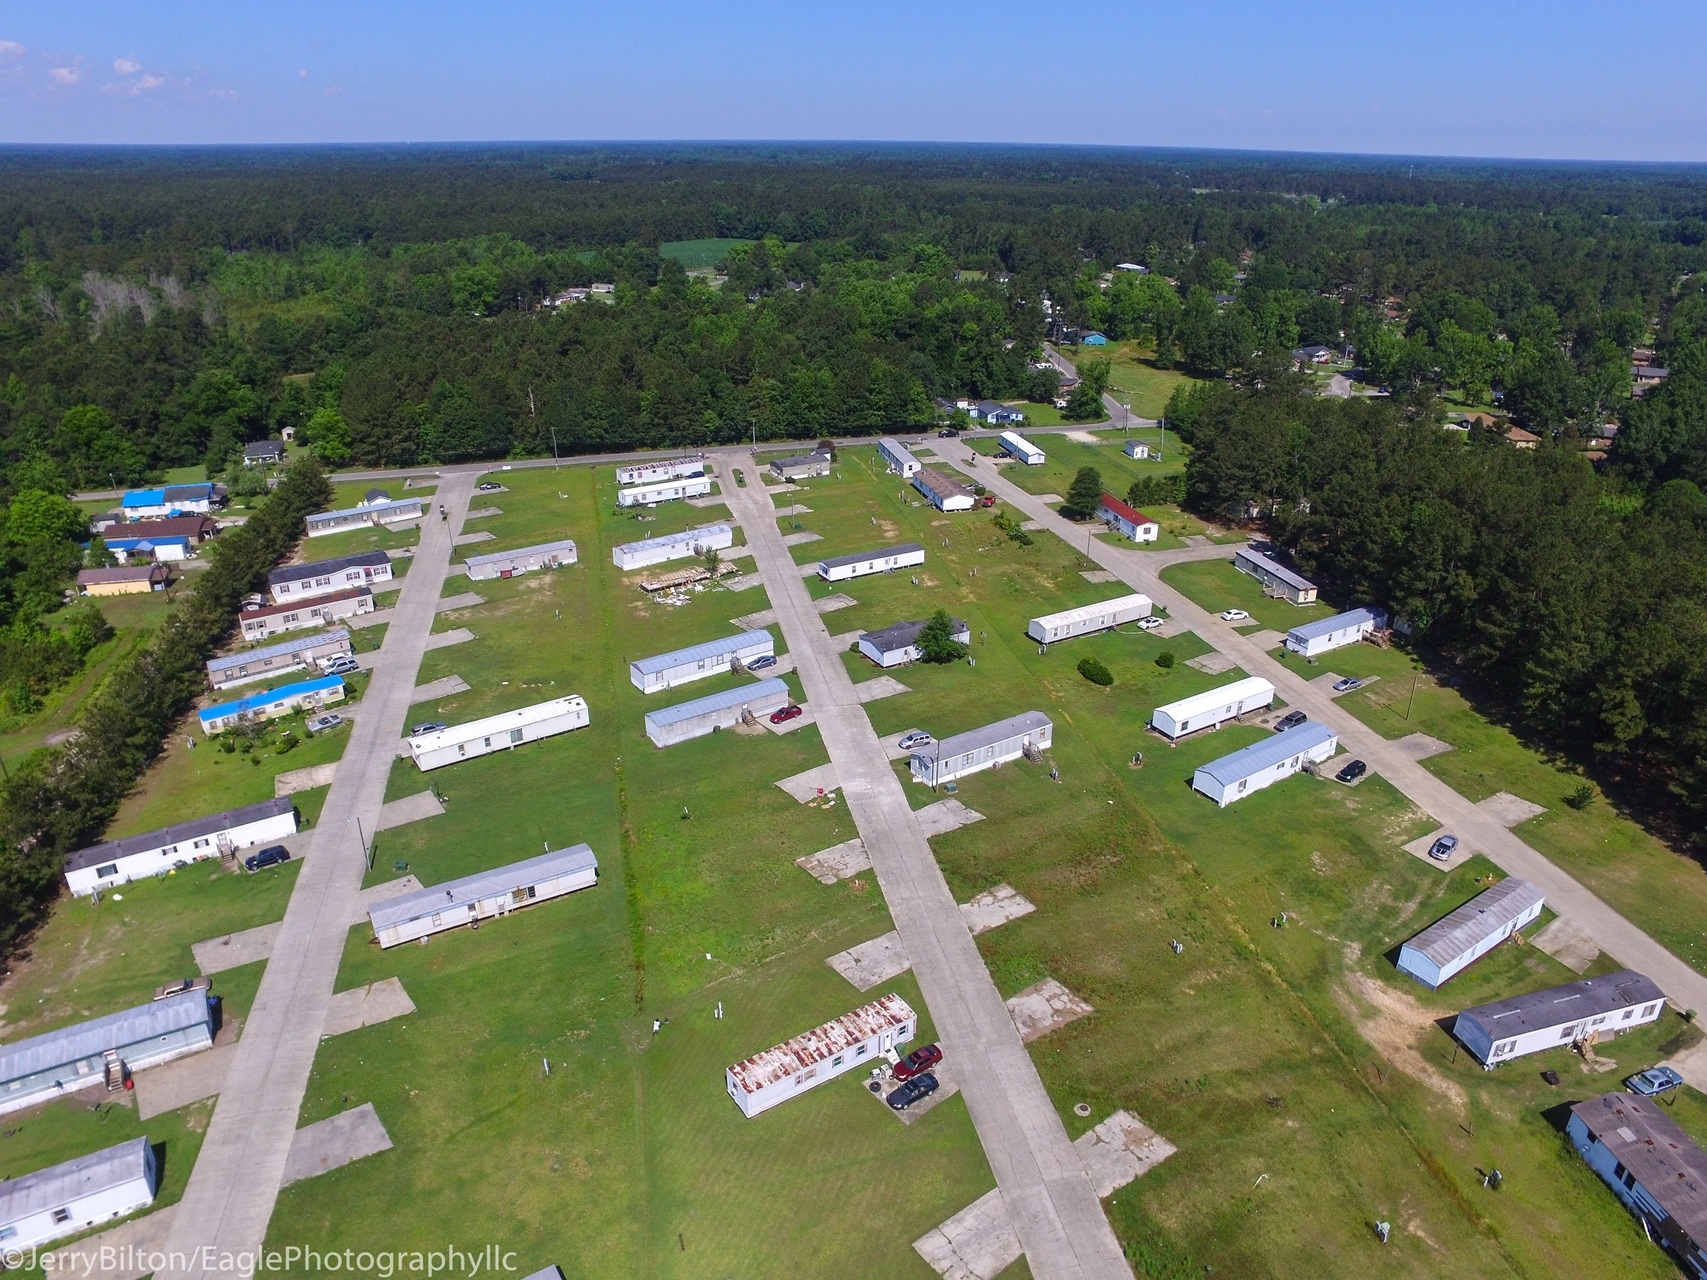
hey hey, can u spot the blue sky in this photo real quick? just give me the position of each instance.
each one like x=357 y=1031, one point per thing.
x=1559 y=80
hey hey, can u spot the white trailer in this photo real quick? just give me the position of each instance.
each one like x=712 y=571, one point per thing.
x=387 y=511
x=82 y=1193
x=1276 y=578
x=1020 y=449
x=1334 y=633
x=852 y=1041
x=291 y=655
x=942 y=490
x=154 y=853
x=1262 y=764
x=688 y=720
x=1088 y=619
x=507 y=564
x=1590 y=1007
x=909 y=555
x=700 y=661
x=648 y=495
x=673 y=546
x=1453 y=942
x=503 y=732
x=484 y=895
x=898 y=458
x=1212 y=707
x=978 y=749
x=658 y=470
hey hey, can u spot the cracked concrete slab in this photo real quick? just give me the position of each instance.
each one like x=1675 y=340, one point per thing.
x=812 y=783
x=801 y=538
x=400 y=813
x=1212 y=663
x=1119 y=1150
x=838 y=862
x=881 y=687
x=365 y=1006
x=333 y=1142
x=444 y=639
x=978 y=1243
x=873 y=961
x=468 y=539
x=291 y=781
x=807 y=570
x=384 y=891
x=467 y=600
x=1098 y=576
x=944 y=816
x=234 y=950
x=830 y=603
x=1509 y=810
x=741 y=581
x=796 y=510
x=995 y=907
x=1044 y=1007
x=482 y=513
x=1566 y=942
x=1419 y=746
x=181 y=1082
x=755 y=621
x=443 y=687
x=1267 y=639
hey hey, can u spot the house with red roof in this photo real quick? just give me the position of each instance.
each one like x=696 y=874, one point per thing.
x=1127 y=521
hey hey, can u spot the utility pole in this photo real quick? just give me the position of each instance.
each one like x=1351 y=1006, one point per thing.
x=1413 y=700
x=555 y=460
x=1162 y=424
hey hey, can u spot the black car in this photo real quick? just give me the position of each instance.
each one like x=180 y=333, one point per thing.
x=489 y=486
x=271 y=856
x=1291 y=720
x=916 y=1088
x=949 y=433
x=1352 y=772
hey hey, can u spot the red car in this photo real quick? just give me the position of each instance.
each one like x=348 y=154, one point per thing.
x=989 y=500
x=917 y=1062
x=786 y=714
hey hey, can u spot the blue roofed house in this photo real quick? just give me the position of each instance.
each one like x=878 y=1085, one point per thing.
x=1092 y=339
x=996 y=413
x=273 y=703
x=171 y=500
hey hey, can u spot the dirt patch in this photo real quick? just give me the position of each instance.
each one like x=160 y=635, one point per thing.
x=889 y=528
x=1392 y=1022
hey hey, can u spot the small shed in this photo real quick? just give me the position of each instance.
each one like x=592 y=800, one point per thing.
x=942 y=490
x=1136 y=449
x=270 y=704
x=688 y=720
x=289 y=655
x=649 y=495
x=271 y=620
x=1657 y=1171
x=1262 y=764
x=898 y=644
x=673 y=546
x=154 y=853
x=1457 y=940
x=1019 y=448
x=1211 y=708
x=484 y=895
x=293 y=582
x=1092 y=339
x=898 y=458
x=978 y=749
x=1336 y=632
x=1088 y=619
x=909 y=555
x=657 y=470
x=1276 y=578
x=129 y=580
x=697 y=662
x=77 y=1195
x=1590 y=1007
x=507 y=564
x=802 y=466
x=851 y=1041
x=1127 y=521
x=503 y=732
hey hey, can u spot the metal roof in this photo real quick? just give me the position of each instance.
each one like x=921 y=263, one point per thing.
x=675 y=482
x=540 y=549
x=693 y=653
x=93 y=1038
x=773 y=1065
x=177 y=833
x=1554 y=1007
x=815 y=458
x=987 y=736
x=500 y=723
x=896 y=450
x=1339 y=622
x=280 y=650
x=1210 y=699
x=1270 y=751
x=365 y=509
x=1485 y=914
x=483 y=884
x=1664 y=1159
x=861 y=557
x=943 y=486
x=267 y=697
x=263 y=447
x=716 y=702
x=1279 y=570
x=323 y=568
x=686 y=536
x=1090 y=612
x=126 y=573
x=65 y=1184
x=1114 y=504
x=899 y=635
x=307 y=602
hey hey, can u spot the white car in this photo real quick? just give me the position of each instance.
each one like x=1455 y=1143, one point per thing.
x=1234 y=615
x=1151 y=623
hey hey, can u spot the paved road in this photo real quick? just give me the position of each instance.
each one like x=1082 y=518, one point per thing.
x=235 y=1182
x=1565 y=894
x=1053 y=1205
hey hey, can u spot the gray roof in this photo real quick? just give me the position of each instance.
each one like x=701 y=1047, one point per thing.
x=1586 y=998
x=321 y=568
x=263 y=448
x=817 y=456
x=1664 y=1159
x=710 y=649
x=187 y=492
x=1339 y=622
x=280 y=650
x=989 y=735
x=95 y=1037
x=483 y=884
x=1270 y=751
x=944 y=486
x=522 y=553
x=65 y=1184
x=1279 y=570
x=716 y=702
x=899 y=635
x=675 y=539
x=1487 y=913
x=862 y=556
x=176 y=833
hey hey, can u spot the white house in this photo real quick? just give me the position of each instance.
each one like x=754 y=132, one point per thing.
x=154 y=853
x=1276 y=578
x=507 y=564
x=659 y=469
x=688 y=720
x=1127 y=521
x=171 y=500
x=364 y=515
x=803 y=466
x=1654 y=1168
x=673 y=546
x=483 y=895
x=503 y=732
x=942 y=491
x=1136 y=449
x=1262 y=764
x=978 y=749
x=852 y=1041
x=1020 y=449
x=270 y=704
x=158 y=548
x=697 y=662
x=898 y=458
x=909 y=555
x=1334 y=633
x=1212 y=707
x=648 y=495
x=301 y=654
x=1603 y=1006
x=268 y=621
x=1088 y=619
x=1464 y=936
x=79 y=1194
x=898 y=643
x=296 y=582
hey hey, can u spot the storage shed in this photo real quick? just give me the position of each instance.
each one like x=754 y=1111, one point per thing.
x=1607 y=1005
x=1262 y=764
x=129 y=580
x=1452 y=943
x=1019 y=448
x=154 y=853
x=1212 y=707
x=696 y=662
x=909 y=555
x=852 y=1041
x=942 y=490
x=483 y=895
x=1657 y=1171
x=270 y=704
x=898 y=643
x=1276 y=578
x=657 y=470
x=76 y=1057
x=296 y=582
x=647 y=495
x=263 y=623
x=1127 y=521
x=507 y=564
x=1088 y=619
x=803 y=466
x=366 y=515
x=82 y=1193
x=1334 y=633
x=289 y=655
x=898 y=458
x=978 y=749
x=502 y=732
x=1136 y=449
x=687 y=720
x=672 y=546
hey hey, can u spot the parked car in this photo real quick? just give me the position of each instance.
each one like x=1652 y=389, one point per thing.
x=1654 y=1081
x=489 y=486
x=761 y=662
x=917 y=1062
x=784 y=714
x=1151 y=623
x=1234 y=615
x=1441 y=849
x=1291 y=720
x=949 y=433
x=988 y=500
x=271 y=856
x=1347 y=685
x=431 y=726
x=342 y=665
x=182 y=985
x=916 y=738
x=1352 y=772
x=916 y=1088
x=322 y=723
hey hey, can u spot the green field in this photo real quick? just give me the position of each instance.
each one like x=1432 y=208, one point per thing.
x=1133 y=377
x=694 y=254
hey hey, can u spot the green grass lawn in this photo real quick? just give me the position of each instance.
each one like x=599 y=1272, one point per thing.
x=693 y=254
x=1133 y=377
x=1217 y=586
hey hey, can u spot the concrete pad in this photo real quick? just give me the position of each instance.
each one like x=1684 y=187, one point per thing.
x=1460 y=855
x=375 y=894
x=97 y=1257
x=1170 y=628
x=456 y=570
x=1267 y=639
x=709 y=500
x=334 y=1142
x=443 y=687
x=1050 y=497
x=741 y=581
x=978 y=1243
x=467 y=600
x=1509 y=810
x=883 y=1076
x=807 y=716
x=367 y=661
x=1044 y=1007
x=845 y=641
x=365 y=1006
x=796 y=510
x=1032 y=526
x=468 y=539
x=808 y=785
x=872 y=962
x=944 y=816
x=482 y=512
x=1212 y=663
x=1419 y=746
x=754 y=621
x=373 y=619
x=1196 y=540
x=444 y=639
x=234 y=950
x=800 y=538
x=995 y=907
x=1566 y=942
x=1119 y=1150
x=882 y=687
x=183 y=1081
x=781 y=667
x=838 y=862
x=1098 y=575
x=291 y=781
x=808 y=570
x=830 y=603
x=400 y=813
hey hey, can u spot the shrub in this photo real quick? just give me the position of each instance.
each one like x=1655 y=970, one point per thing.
x=1085 y=495
x=937 y=643
x=1094 y=671
x=1165 y=659
x=1582 y=797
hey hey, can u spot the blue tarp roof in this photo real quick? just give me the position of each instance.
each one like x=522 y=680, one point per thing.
x=716 y=702
x=169 y=493
x=1271 y=751
x=1339 y=622
x=255 y=701
x=128 y=544
x=710 y=649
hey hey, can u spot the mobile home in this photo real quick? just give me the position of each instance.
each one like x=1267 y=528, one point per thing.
x=1212 y=707
x=502 y=732
x=1127 y=521
x=852 y=1041
x=483 y=895
x=942 y=491
x=1334 y=633
x=909 y=555
x=1276 y=578
x=266 y=622
x=978 y=749
x=296 y=582
x=364 y=515
x=697 y=662
x=507 y=564
x=172 y=500
x=673 y=546
x=1262 y=764
x=1654 y=1168
x=1088 y=619
x=658 y=470
x=77 y=1195
x=1020 y=449
x=301 y=654
x=898 y=458
x=1607 y=1005
x=128 y=580
x=1457 y=940
x=688 y=720
x=648 y=495
x=270 y=704
x=804 y=466
x=154 y=853
x=898 y=643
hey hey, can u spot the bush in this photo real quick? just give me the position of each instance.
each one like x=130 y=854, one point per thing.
x=1582 y=797
x=1157 y=491
x=1165 y=659
x=1085 y=495
x=937 y=643
x=1008 y=525
x=1094 y=671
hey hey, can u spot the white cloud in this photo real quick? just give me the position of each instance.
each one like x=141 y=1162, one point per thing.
x=66 y=75
x=126 y=66
x=11 y=49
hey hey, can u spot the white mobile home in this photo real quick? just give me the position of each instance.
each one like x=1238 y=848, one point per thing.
x=898 y=643
x=1603 y=1006
x=82 y=1193
x=660 y=469
x=898 y=458
x=909 y=555
x=1020 y=449
x=1276 y=578
x=1088 y=619
x=852 y=1041
x=301 y=654
x=264 y=623
x=154 y=853
x=687 y=720
x=647 y=495
x=714 y=657
x=673 y=546
x=1126 y=520
x=1653 y=1167
x=1335 y=632
x=942 y=490
x=483 y=895
x=296 y=582
x=502 y=732
x=270 y=704
x=1262 y=764
x=978 y=749
x=1464 y=936
x=370 y=514
x=96 y=1052
x=804 y=466
x=1212 y=707
x=507 y=564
